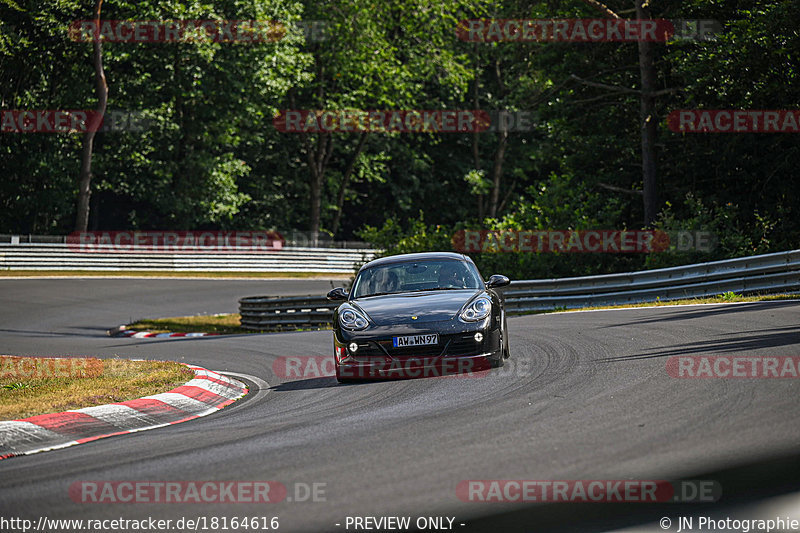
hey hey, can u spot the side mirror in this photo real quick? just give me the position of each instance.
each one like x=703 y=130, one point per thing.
x=337 y=294
x=497 y=281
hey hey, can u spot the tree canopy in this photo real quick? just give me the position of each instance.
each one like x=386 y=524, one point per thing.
x=211 y=157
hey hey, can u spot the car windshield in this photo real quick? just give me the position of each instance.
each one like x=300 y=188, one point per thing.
x=445 y=274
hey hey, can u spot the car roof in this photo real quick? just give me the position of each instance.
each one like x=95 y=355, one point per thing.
x=423 y=256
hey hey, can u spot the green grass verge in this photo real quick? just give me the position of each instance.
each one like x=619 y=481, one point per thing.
x=222 y=324
x=728 y=297
x=225 y=323
x=165 y=274
x=24 y=393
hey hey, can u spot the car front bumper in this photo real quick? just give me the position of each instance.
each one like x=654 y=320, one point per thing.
x=456 y=353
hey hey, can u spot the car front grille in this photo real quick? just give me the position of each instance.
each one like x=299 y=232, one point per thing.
x=453 y=345
x=370 y=349
x=430 y=350
x=464 y=345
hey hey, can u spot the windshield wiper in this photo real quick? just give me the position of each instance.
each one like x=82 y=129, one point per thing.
x=418 y=290
x=443 y=289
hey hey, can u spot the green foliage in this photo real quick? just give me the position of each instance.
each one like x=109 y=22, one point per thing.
x=393 y=238
x=16 y=386
x=732 y=234
x=477 y=182
x=211 y=158
x=416 y=236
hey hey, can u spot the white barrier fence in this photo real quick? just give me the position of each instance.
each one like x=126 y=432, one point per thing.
x=60 y=256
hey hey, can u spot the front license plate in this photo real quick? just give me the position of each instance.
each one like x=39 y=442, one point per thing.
x=415 y=340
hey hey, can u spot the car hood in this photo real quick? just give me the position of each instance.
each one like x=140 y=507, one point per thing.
x=430 y=306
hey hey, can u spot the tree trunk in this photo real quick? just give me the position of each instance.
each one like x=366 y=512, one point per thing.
x=476 y=156
x=499 y=154
x=317 y=162
x=85 y=180
x=497 y=172
x=648 y=122
x=345 y=181
x=647 y=111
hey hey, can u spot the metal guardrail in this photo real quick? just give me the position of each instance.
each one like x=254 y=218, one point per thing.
x=60 y=256
x=746 y=275
x=778 y=272
x=266 y=312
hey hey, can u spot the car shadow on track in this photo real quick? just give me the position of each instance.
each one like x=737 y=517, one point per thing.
x=306 y=384
x=727 y=345
x=682 y=313
x=150 y=341
x=95 y=332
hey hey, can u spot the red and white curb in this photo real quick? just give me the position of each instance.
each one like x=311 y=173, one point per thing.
x=207 y=393
x=150 y=335
x=122 y=331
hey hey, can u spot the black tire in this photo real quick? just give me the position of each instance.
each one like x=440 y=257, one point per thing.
x=501 y=360
x=506 y=349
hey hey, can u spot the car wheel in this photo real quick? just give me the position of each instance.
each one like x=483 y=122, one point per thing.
x=506 y=350
x=501 y=359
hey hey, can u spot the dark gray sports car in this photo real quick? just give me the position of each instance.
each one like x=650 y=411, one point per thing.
x=416 y=315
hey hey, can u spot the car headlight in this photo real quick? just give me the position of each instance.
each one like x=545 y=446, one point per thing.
x=352 y=319
x=477 y=310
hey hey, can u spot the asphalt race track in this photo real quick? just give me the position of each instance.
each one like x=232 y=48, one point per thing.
x=585 y=396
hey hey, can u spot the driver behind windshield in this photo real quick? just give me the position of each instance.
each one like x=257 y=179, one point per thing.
x=383 y=281
x=391 y=283
x=450 y=275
